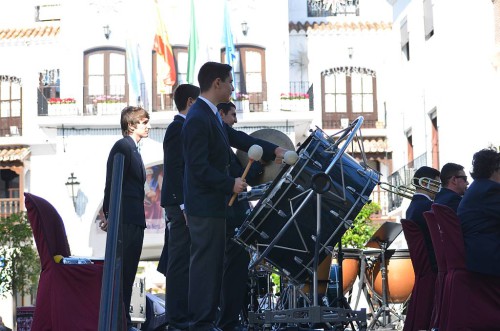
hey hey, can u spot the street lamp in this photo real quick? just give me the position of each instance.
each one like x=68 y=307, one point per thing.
x=72 y=185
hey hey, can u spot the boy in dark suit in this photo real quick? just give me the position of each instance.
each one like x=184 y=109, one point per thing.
x=207 y=183
x=135 y=126
x=177 y=243
x=236 y=259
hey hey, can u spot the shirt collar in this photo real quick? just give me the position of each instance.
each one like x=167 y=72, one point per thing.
x=211 y=105
x=423 y=194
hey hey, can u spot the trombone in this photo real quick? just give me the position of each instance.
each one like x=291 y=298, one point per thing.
x=407 y=191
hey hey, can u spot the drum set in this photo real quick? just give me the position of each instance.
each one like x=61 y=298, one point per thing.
x=294 y=234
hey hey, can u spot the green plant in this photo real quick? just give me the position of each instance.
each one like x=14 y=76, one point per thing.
x=362 y=228
x=19 y=265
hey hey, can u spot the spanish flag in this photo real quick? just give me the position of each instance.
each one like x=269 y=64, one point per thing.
x=165 y=56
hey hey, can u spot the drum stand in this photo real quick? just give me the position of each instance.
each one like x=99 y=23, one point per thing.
x=315 y=314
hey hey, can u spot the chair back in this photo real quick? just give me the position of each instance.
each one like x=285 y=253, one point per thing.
x=48 y=229
x=416 y=246
x=438 y=244
x=437 y=239
x=453 y=239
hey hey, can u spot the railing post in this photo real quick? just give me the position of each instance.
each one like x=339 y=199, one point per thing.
x=111 y=307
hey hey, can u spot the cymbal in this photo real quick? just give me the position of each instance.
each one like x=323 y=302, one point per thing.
x=271 y=169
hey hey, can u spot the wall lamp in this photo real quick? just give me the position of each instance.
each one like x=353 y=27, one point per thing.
x=107 y=31
x=72 y=185
x=244 y=28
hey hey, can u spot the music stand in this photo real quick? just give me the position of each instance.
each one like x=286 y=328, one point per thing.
x=386 y=233
x=382 y=239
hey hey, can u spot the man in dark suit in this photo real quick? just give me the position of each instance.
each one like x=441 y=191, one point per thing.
x=454 y=184
x=176 y=246
x=422 y=201
x=479 y=214
x=207 y=183
x=236 y=259
x=135 y=126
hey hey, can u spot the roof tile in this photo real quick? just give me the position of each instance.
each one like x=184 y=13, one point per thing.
x=14 y=153
x=45 y=31
x=354 y=26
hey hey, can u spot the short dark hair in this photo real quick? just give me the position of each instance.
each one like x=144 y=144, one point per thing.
x=448 y=171
x=131 y=115
x=484 y=163
x=424 y=171
x=210 y=71
x=182 y=93
x=226 y=107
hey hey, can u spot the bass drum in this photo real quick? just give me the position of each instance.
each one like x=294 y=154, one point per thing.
x=282 y=226
x=400 y=275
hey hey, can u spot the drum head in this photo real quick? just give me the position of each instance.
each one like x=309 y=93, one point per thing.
x=271 y=169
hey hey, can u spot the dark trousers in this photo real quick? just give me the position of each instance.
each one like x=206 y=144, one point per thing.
x=208 y=236
x=133 y=236
x=234 y=281
x=178 y=268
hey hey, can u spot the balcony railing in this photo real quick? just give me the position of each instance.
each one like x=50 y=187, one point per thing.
x=113 y=102
x=9 y=206
x=403 y=176
x=300 y=97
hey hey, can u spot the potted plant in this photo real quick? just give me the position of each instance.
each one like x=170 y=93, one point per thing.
x=295 y=101
x=61 y=106
x=242 y=102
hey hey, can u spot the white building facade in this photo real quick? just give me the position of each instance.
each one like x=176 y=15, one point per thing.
x=444 y=101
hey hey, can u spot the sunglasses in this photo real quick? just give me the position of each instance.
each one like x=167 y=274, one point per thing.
x=463 y=177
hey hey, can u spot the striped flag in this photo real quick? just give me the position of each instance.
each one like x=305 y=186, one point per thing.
x=165 y=56
x=192 y=48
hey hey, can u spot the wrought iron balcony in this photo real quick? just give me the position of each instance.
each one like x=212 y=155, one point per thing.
x=403 y=176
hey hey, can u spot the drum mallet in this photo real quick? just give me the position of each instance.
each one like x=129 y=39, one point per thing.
x=254 y=154
x=290 y=157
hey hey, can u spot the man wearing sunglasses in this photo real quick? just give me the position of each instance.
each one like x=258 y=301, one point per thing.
x=454 y=184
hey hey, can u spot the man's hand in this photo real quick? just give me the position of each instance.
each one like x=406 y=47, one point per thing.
x=103 y=224
x=240 y=185
x=280 y=153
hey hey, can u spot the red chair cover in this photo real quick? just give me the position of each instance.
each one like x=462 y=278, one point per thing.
x=437 y=243
x=68 y=295
x=471 y=301
x=422 y=296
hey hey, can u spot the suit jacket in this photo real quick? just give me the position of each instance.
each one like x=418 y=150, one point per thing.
x=134 y=178
x=479 y=214
x=415 y=212
x=207 y=156
x=448 y=198
x=173 y=165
